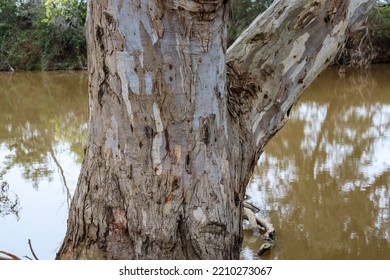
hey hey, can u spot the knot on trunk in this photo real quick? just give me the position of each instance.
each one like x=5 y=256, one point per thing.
x=240 y=94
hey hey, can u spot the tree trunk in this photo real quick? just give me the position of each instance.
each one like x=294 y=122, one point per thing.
x=172 y=143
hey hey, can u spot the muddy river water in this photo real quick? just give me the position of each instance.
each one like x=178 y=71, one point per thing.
x=323 y=181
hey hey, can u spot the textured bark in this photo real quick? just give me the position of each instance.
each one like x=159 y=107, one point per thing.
x=280 y=54
x=170 y=150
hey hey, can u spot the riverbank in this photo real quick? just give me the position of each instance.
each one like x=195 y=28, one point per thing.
x=46 y=37
x=42 y=35
x=371 y=44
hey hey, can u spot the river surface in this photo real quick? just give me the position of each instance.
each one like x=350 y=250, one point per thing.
x=323 y=181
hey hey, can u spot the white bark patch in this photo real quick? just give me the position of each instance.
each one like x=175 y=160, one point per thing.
x=148 y=83
x=353 y=5
x=129 y=26
x=132 y=76
x=257 y=121
x=109 y=139
x=340 y=27
x=296 y=53
x=298 y=70
x=144 y=218
x=156 y=158
x=157 y=140
x=177 y=153
x=206 y=100
x=157 y=118
x=223 y=193
x=148 y=6
x=280 y=18
x=260 y=136
x=126 y=66
x=198 y=215
x=121 y=59
x=141 y=59
x=329 y=47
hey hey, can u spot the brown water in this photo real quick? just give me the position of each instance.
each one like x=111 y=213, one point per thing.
x=42 y=132
x=323 y=181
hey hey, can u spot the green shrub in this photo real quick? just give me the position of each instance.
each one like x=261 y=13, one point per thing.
x=243 y=13
x=38 y=34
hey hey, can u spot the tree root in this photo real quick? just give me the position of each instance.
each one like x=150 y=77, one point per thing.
x=266 y=228
x=258 y=222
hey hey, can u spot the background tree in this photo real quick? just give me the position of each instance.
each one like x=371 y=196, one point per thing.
x=243 y=13
x=38 y=34
x=370 y=43
x=177 y=123
x=61 y=33
x=16 y=19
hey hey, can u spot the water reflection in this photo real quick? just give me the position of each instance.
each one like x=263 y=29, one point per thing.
x=323 y=180
x=38 y=111
x=9 y=203
x=42 y=133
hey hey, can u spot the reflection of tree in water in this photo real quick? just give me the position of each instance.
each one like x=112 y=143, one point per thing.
x=8 y=204
x=41 y=113
x=332 y=194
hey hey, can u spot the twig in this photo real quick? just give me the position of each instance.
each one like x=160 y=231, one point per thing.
x=62 y=174
x=32 y=250
x=12 y=256
x=251 y=206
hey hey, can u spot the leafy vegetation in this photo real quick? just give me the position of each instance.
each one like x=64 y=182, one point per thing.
x=371 y=44
x=46 y=35
x=243 y=13
x=380 y=33
x=49 y=34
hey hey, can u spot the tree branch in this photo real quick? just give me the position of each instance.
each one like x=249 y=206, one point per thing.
x=32 y=250
x=62 y=175
x=279 y=55
x=11 y=256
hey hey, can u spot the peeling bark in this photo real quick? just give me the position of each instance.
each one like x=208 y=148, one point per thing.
x=280 y=54
x=170 y=149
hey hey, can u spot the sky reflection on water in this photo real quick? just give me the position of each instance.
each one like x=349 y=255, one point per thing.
x=323 y=181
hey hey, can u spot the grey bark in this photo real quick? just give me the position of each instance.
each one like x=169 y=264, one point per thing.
x=172 y=143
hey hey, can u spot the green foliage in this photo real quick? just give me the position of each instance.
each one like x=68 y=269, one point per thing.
x=371 y=44
x=38 y=34
x=16 y=46
x=49 y=34
x=243 y=13
x=379 y=22
x=61 y=34
x=64 y=10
